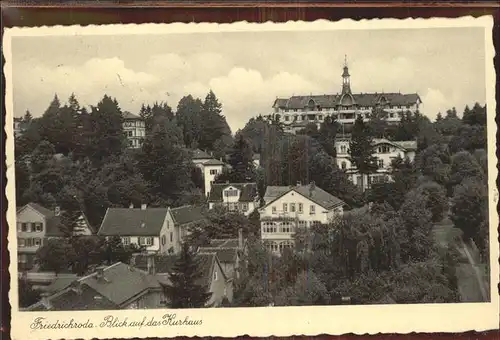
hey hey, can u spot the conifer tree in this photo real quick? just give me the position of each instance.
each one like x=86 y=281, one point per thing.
x=361 y=149
x=185 y=290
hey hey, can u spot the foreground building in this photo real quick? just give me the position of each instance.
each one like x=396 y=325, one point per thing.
x=236 y=197
x=297 y=111
x=383 y=149
x=36 y=225
x=288 y=208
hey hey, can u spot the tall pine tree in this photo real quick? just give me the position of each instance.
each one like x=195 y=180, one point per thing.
x=361 y=150
x=185 y=290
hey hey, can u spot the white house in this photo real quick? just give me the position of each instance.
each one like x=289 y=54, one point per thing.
x=209 y=167
x=384 y=150
x=288 y=208
x=134 y=128
x=35 y=225
x=242 y=197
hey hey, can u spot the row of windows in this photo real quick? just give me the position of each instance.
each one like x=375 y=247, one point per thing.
x=30 y=227
x=231 y=193
x=214 y=171
x=143 y=241
x=278 y=246
x=29 y=242
x=139 y=133
x=285 y=227
x=299 y=207
x=312 y=108
x=164 y=239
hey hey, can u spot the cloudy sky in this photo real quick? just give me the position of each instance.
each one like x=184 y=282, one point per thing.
x=248 y=70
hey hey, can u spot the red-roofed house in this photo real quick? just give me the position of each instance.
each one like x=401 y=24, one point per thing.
x=35 y=225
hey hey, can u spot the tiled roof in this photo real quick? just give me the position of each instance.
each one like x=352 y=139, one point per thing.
x=133 y=222
x=227 y=255
x=256 y=157
x=317 y=195
x=410 y=145
x=333 y=100
x=248 y=191
x=120 y=282
x=127 y=115
x=187 y=214
x=200 y=154
x=165 y=263
x=213 y=162
x=224 y=243
x=59 y=283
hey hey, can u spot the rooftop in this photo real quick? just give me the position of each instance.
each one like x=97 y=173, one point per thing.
x=133 y=222
x=312 y=192
x=130 y=116
x=248 y=191
x=187 y=214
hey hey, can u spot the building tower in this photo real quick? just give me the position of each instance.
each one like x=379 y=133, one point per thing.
x=346 y=79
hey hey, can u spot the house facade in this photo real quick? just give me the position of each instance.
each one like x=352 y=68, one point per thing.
x=35 y=225
x=287 y=209
x=140 y=226
x=209 y=166
x=240 y=197
x=297 y=111
x=134 y=128
x=385 y=151
x=181 y=218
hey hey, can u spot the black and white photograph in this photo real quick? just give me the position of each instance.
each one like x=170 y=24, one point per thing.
x=248 y=169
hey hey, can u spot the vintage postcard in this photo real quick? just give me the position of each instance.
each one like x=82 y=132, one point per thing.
x=262 y=179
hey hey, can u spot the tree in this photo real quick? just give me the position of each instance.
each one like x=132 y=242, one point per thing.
x=56 y=255
x=437 y=202
x=361 y=149
x=41 y=156
x=469 y=208
x=189 y=119
x=104 y=131
x=113 y=251
x=185 y=290
x=476 y=116
x=439 y=117
x=308 y=290
x=469 y=138
x=327 y=134
x=464 y=165
x=214 y=123
x=166 y=165
x=241 y=161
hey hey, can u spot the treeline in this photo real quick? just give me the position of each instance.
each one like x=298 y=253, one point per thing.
x=385 y=251
x=78 y=158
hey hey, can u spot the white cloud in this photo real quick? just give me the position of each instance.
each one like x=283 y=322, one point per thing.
x=433 y=102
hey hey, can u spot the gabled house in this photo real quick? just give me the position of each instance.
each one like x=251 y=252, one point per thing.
x=36 y=224
x=242 y=197
x=213 y=276
x=140 y=226
x=181 y=218
x=384 y=150
x=118 y=286
x=288 y=208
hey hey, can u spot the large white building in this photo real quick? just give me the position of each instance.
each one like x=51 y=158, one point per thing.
x=134 y=128
x=384 y=150
x=298 y=111
x=290 y=207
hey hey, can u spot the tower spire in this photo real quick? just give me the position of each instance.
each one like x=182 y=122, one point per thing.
x=346 y=81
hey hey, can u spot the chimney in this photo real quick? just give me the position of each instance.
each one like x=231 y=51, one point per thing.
x=240 y=238
x=57 y=211
x=131 y=206
x=312 y=186
x=151 y=264
x=45 y=300
x=144 y=206
x=299 y=183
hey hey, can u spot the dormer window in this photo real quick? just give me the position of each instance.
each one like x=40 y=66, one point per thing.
x=231 y=193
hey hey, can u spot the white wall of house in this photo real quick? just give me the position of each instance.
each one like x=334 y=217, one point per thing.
x=34 y=225
x=250 y=206
x=135 y=131
x=151 y=243
x=169 y=236
x=209 y=174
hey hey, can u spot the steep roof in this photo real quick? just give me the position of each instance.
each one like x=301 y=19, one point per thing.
x=333 y=100
x=130 y=116
x=313 y=193
x=200 y=154
x=227 y=255
x=187 y=214
x=248 y=191
x=119 y=285
x=224 y=243
x=133 y=222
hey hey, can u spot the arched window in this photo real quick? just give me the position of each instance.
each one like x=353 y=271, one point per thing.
x=311 y=105
x=344 y=165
